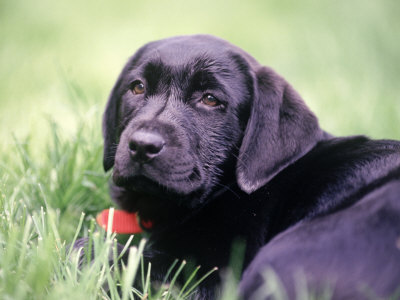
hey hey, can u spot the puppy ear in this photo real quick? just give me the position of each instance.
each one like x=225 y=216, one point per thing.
x=110 y=127
x=280 y=130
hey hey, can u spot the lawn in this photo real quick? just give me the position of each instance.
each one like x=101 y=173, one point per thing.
x=58 y=62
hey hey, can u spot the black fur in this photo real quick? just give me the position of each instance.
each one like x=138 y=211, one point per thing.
x=256 y=167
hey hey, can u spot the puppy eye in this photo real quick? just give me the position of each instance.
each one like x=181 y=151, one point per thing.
x=137 y=87
x=210 y=100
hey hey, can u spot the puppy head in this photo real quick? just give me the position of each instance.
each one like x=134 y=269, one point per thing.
x=185 y=110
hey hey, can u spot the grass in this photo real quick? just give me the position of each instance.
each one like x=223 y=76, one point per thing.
x=58 y=62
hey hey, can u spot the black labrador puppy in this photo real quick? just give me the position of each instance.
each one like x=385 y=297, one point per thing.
x=212 y=147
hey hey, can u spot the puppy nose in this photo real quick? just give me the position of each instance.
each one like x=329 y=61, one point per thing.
x=144 y=145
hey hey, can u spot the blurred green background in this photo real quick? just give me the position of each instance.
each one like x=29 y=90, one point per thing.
x=59 y=58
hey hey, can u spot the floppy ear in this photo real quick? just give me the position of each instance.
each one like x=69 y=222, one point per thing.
x=280 y=130
x=110 y=127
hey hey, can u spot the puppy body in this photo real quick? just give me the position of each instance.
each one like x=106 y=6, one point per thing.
x=217 y=148
x=351 y=254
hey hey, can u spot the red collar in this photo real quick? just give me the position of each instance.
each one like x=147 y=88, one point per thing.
x=123 y=222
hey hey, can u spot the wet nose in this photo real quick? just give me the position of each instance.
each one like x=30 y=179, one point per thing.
x=144 y=145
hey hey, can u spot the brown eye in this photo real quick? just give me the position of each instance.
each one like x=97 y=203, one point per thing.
x=210 y=100
x=137 y=87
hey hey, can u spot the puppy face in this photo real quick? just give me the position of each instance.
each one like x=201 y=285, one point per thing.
x=181 y=111
x=189 y=115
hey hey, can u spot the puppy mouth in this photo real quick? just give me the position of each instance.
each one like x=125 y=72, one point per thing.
x=139 y=184
x=152 y=180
